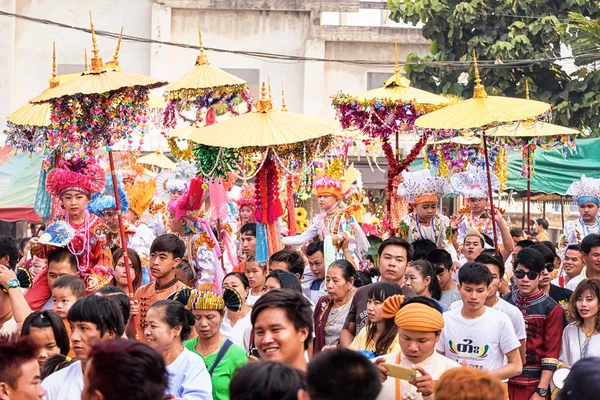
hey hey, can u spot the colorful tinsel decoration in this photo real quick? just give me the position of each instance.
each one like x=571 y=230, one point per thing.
x=215 y=162
x=29 y=139
x=178 y=154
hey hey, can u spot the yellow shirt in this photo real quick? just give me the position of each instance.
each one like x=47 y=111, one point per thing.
x=360 y=343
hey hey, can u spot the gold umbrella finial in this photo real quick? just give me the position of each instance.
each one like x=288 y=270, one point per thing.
x=396 y=80
x=527 y=89
x=479 y=91
x=202 y=59
x=85 y=62
x=270 y=93
x=97 y=64
x=54 y=80
x=283 y=105
x=114 y=63
x=263 y=104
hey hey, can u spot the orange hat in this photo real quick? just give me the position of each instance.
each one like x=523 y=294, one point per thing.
x=414 y=316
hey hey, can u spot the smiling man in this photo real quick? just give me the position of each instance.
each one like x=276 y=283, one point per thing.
x=283 y=327
x=590 y=246
x=92 y=318
x=573 y=263
x=395 y=255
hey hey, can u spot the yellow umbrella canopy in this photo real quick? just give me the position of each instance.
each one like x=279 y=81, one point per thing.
x=263 y=127
x=158 y=159
x=482 y=111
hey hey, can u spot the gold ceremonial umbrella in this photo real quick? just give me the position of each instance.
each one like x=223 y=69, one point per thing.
x=204 y=78
x=481 y=113
x=263 y=127
x=158 y=159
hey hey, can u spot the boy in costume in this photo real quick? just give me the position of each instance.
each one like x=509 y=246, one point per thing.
x=586 y=192
x=423 y=192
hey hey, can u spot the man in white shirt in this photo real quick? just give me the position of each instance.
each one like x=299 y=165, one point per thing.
x=313 y=279
x=475 y=335
x=92 y=318
x=590 y=246
x=573 y=264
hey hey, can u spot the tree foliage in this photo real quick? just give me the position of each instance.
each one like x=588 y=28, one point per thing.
x=505 y=30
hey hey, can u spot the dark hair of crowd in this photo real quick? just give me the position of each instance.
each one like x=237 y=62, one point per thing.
x=396 y=241
x=266 y=380
x=293 y=260
x=12 y=356
x=380 y=291
x=100 y=311
x=346 y=267
x=426 y=269
x=61 y=254
x=494 y=259
x=74 y=283
x=474 y=273
x=296 y=307
x=55 y=363
x=176 y=314
x=48 y=319
x=422 y=248
x=531 y=259
x=587 y=285
x=134 y=262
x=120 y=298
x=242 y=278
x=440 y=258
x=524 y=243
x=168 y=243
x=583 y=382
x=350 y=375
x=286 y=280
x=248 y=229
x=589 y=242
x=543 y=223
x=126 y=369
x=9 y=249
x=314 y=246
x=547 y=255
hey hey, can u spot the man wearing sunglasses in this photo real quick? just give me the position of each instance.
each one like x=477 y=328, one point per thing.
x=543 y=318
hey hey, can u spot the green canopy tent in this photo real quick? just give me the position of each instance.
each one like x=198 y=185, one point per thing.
x=18 y=185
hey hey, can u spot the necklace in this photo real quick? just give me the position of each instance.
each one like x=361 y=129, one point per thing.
x=84 y=242
x=435 y=236
x=339 y=312
x=167 y=285
x=585 y=347
x=587 y=229
x=211 y=350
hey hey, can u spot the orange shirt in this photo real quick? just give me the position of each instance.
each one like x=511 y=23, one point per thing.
x=68 y=328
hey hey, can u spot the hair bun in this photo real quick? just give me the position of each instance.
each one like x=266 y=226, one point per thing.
x=391 y=305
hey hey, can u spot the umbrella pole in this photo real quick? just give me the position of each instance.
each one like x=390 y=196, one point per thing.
x=490 y=193
x=219 y=239
x=397 y=147
x=528 y=192
x=121 y=228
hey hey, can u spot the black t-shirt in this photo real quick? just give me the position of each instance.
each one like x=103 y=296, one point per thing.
x=561 y=296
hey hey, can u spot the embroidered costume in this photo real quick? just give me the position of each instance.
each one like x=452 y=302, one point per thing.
x=417 y=188
x=337 y=220
x=473 y=184
x=587 y=190
x=202 y=249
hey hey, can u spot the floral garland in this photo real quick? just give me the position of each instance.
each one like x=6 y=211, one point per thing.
x=84 y=123
x=215 y=162
x=180 y=101
x=266 y=184
x=178 y=154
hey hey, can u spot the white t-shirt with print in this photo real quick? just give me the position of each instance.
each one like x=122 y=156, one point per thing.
x=479 y=343
x=66 y=383
x=515 y=315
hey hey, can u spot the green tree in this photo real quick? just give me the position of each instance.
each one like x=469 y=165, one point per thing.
x=505 y=30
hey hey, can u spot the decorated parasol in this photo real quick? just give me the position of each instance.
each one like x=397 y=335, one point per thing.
x=254 y=145
x=387 y=111
x=483 y=114
x=201 y=88
x=97 y=109
x=157 y=159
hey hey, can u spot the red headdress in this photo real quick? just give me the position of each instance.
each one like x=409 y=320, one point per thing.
x=82 y=175
x=247 y=197
x=188 y=205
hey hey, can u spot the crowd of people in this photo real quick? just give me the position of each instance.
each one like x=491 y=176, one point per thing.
x=458 y=307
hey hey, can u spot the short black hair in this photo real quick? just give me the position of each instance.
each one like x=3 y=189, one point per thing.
x=12 y=356
x=589 y=242
x=440 y=258
x=542 y=222
x=242 y=277
x=524 y=243
x=396 y=241
x=516 y=232
x=126 y=369
x=474 y=273
x=297 y=309
x=546 y=253
x=168 y=243
x=23 y=242
x=422 y=248
x=266 y=380
x=531 y=259
x=574 y=247
x=494 y=259
x=286 y=280
x=100 y=311
x=423 y=300
x=583 y=382
x=74 y=283
x=48 y=319
x=315 y=246
x=61 y=254
x=248 y=229
x=350 y=375
x=116 y=294
x=293 y=260
x=9 y=249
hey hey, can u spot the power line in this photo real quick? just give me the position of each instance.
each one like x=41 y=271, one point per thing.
x=282 y=58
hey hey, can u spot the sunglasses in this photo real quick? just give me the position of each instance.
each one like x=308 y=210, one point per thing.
x=531 y=275
x=549 y=267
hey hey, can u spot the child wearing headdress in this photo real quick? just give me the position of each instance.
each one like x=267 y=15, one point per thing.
x=423 y=192
x=74 y=181
x=586 y=192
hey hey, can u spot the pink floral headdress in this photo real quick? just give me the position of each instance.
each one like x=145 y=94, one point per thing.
x=247 y=197
x=188 y=205
x=80 y=174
